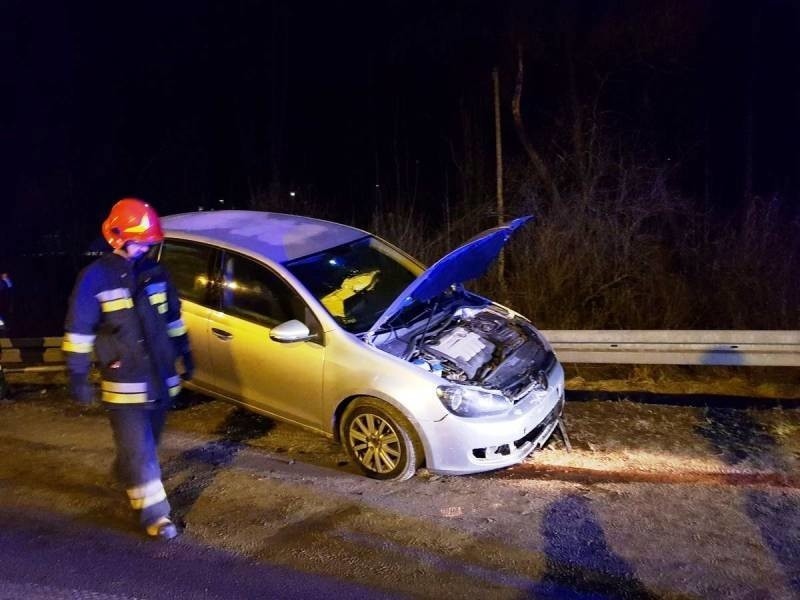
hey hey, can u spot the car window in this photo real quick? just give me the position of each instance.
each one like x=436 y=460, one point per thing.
x=253 y=292
x=355 y=282
x=188 y=265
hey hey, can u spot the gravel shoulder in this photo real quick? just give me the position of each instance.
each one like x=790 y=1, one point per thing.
x=655 y=500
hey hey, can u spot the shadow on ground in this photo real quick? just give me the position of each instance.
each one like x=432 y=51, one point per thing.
x=579 y=562
x=744 y=442
x=205 y=461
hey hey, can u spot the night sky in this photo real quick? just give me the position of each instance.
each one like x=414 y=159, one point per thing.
x=356 y=105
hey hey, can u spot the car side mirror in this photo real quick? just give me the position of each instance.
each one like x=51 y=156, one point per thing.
x=291 y=331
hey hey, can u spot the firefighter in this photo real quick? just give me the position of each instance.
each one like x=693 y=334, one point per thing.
x=125 y=309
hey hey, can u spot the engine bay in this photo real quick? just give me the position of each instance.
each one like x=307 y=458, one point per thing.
x=477 y=345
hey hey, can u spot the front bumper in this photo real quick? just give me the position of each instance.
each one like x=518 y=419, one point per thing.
x=461 y=445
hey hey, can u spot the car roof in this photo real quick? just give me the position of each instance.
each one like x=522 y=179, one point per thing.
x=278 y=237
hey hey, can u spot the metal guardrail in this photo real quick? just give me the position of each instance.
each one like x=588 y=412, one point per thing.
x=31 y=355
x=632 y=346
x=678 y=347
x=31 y=350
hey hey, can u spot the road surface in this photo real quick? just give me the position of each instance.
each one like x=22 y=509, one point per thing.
x=655 y=501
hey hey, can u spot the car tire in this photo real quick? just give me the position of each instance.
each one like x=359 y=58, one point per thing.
x=380 y=440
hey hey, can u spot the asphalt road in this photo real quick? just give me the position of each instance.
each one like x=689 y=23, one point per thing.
x=655 y=501
x=47 y=556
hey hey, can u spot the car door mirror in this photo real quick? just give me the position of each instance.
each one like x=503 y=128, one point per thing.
x=291 y=331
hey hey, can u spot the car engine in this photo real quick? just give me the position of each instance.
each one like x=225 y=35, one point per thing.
x=484 y=346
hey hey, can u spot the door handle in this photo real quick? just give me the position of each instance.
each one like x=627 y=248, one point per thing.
x=221 y=334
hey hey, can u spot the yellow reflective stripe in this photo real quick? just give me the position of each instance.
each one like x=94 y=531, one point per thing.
x=158 y=298
x=162 y=308
x=116 y=299
x=77 y=348
x=154 y=499
x=148 y=494
x=80 y=338
x=77 y=342
x=123 y=388
x=117 y=398
x=176 y=328
x=124 y=393
x=113 y=305
x=140 y=491
x=114 y=294
x=174 y=384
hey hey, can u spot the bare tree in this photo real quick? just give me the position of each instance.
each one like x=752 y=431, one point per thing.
x=539 y=165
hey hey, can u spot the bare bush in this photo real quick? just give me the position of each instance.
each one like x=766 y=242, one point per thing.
x=631 y=254
x=621 y=249
x=424 y=237
x=754 y=274
x=611 y=261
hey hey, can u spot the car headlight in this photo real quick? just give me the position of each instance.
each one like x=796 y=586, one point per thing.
x=468 y=401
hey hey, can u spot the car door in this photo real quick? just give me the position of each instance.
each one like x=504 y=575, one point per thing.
x=283 y=379
x=190 y=265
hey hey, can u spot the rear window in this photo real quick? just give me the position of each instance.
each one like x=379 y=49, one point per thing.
x=188 y=265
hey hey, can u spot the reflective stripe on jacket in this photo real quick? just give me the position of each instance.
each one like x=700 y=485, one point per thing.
x=128 y=314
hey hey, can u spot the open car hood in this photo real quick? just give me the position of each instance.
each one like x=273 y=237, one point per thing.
x=468 y=261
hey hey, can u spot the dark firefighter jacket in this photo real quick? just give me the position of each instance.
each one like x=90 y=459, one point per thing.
x=128 y=314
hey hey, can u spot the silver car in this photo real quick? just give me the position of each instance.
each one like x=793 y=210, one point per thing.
x=334 y=329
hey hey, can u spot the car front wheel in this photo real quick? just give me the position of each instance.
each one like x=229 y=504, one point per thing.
x=381 y=440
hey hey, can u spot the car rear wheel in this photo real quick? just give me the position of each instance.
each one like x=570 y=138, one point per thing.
x=381 y=440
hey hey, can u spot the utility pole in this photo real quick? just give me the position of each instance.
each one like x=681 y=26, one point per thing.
x=498 y=146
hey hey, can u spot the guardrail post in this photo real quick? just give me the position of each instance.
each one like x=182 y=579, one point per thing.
x=3 y=385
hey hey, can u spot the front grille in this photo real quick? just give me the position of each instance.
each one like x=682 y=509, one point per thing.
x=537 y=378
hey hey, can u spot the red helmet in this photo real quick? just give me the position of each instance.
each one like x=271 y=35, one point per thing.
x=132 y=220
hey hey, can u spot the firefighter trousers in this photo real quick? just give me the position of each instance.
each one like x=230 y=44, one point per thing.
x=137 y=432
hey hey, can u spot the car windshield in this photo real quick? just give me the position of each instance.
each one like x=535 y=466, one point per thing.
x=357 y=281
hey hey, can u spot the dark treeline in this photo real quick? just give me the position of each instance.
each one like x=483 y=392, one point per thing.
x=654 y=141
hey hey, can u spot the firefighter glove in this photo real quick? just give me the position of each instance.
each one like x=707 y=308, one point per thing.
x=188 y=366
x=82 y=391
